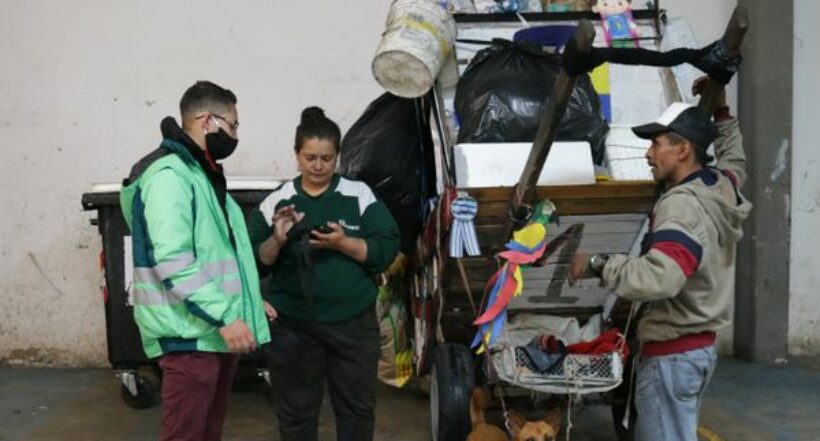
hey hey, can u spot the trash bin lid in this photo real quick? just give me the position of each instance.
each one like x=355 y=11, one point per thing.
x=108 y=193
x=234 y=183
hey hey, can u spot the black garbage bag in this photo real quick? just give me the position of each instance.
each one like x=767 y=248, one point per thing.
x=502 y=95
x=390 y=148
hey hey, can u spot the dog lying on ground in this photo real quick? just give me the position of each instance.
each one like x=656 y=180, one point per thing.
x=520 y=429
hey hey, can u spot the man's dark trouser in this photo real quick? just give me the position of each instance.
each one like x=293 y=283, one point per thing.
x=306 y=355
x=195 y=391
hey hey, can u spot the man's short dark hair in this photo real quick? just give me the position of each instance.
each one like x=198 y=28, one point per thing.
x=205 y=96
x=701 y=156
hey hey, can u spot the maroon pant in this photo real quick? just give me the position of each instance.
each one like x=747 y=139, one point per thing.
x=195 y=391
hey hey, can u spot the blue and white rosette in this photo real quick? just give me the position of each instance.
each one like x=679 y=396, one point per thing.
x=463 y=235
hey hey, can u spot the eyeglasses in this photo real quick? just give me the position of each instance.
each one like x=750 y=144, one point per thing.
x=233 y=125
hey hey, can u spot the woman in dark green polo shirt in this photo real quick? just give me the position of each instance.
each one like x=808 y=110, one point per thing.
x=323 y=238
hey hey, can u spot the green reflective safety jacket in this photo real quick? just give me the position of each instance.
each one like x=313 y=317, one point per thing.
x=189 y=280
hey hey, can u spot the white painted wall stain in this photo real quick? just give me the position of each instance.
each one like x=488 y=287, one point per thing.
x=780 y=162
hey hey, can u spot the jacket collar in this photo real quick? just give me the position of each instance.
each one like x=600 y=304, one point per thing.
x=176 y=140
x=706 y=174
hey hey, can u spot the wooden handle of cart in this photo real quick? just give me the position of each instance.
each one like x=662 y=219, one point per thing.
x=735 y=31
x=548 y=127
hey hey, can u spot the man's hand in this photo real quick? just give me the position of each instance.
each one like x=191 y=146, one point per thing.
x=271 y=312
x=579 y=268
x=699 y=84
x=238 y=337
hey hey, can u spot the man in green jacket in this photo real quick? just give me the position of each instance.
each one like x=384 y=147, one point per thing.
x=195 y=286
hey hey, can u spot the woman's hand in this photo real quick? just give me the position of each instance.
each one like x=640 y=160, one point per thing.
x=332 y=240
x=352 y=247
x=270 y=311
x=283 y=220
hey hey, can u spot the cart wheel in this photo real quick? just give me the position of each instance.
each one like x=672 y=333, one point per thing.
x=146 y=393
x=451 y=382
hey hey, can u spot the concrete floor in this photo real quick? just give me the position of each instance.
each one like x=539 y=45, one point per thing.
x=746 y=402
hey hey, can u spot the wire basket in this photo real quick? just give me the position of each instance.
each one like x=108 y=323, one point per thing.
x=576 y=374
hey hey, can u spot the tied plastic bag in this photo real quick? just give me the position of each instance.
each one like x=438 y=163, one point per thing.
x=396 y=360
x=390 y=148
x=503 y=93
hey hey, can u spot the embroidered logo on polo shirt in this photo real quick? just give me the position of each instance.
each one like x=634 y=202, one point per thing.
x=347 y=226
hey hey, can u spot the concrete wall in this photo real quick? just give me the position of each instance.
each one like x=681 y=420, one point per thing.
x=804 y=302
x=85 y=83
x=83 y=87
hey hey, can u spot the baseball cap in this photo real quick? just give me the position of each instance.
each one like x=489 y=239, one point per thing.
x=684 y=119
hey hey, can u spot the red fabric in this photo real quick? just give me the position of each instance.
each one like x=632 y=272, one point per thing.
x=440 y=216
x=722 y=114
x=687 y=261
x=731 y=176
x=549 y=343
x=522 y=258
x=450 y=194
x=681 y=344
x=195 y=391
x=607 y=342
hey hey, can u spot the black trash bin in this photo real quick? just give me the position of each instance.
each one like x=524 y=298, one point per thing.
x=124 y=346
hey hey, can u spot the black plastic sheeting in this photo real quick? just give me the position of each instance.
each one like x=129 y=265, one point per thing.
x=503 y=93
x=390 y=148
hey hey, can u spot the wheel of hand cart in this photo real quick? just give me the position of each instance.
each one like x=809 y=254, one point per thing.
x=451 y=382
x=620 y=396
x=146 y=393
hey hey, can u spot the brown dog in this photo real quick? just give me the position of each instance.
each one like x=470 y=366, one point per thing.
x=521 y=429
x=479 y=401
x=541 y=430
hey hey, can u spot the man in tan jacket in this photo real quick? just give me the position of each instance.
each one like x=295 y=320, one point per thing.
x=686 y=269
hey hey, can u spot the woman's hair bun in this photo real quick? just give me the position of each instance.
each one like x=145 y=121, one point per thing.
x=312 y=114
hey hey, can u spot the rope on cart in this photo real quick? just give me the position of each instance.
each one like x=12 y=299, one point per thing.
x=635 y=357
x=491 y=368
x=569 y=417
x=572 y=380
x=467 y=288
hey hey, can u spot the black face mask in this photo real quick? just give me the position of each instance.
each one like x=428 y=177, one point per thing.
x=220 y=144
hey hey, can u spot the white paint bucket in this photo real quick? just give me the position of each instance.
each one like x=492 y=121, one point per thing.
x=418 y=37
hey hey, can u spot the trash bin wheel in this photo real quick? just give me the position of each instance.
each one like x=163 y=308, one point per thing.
x=146 y=394
x=451 y=383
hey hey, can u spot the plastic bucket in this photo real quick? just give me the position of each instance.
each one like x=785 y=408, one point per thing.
x=418 y=37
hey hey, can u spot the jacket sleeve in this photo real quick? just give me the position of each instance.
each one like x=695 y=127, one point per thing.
x=259 y=231
x=382 y=236
x=169 y=220
x=675 y=254
x=729 y=150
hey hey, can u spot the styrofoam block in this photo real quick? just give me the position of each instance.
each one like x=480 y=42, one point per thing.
x=501 y=164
